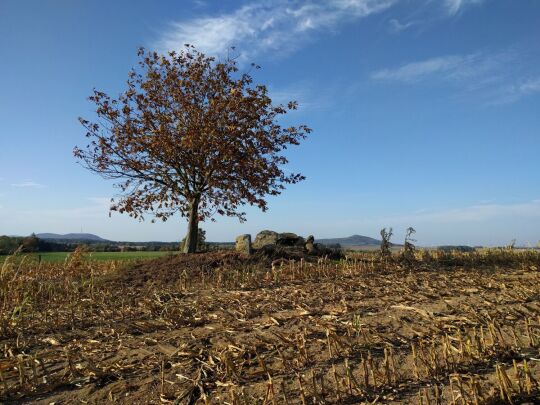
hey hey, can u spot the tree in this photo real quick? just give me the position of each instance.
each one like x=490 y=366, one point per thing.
x=190 y=135
x=201 y=240
x=9 y=244
x=30 y=244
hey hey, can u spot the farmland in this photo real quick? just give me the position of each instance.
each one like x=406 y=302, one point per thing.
x=223 y=328
x=59 y=257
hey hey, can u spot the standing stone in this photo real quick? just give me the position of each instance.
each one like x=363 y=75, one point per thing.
x=243 y=243
x=310 y=245
x=265 y=238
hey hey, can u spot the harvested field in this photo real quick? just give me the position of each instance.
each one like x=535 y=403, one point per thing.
x=219 y=328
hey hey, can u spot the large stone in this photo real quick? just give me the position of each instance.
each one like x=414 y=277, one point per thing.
x=265 y=238
x=243 y=243
x=290 y=239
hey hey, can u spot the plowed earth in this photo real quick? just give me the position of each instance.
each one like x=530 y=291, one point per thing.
x=221 y=328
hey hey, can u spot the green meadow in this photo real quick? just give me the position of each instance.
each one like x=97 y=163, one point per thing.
x=56 y=257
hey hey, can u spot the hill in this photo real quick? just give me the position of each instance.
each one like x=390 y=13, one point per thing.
x=354 y=240
x=71 y=237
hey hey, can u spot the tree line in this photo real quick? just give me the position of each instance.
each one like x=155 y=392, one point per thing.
x=33 y=244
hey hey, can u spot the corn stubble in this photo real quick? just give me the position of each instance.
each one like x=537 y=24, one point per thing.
x=438 y=328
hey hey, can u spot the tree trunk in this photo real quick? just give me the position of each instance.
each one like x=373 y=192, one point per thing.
x=192 y=237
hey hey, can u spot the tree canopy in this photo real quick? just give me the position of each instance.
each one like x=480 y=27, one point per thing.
x=190 y=135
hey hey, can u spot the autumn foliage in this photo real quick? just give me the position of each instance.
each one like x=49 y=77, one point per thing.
x=190 y=135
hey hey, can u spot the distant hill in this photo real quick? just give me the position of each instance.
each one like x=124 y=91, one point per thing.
x=354 y=240
x=71 y=237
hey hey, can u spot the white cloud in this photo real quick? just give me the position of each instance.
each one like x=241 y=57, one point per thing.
x=397 y=26
x=455 y=6
x=514 y=92
x=416 y=71
x=283 y=25
x=275 y=25
x=28 y=184
x=530 y=86
x=450 y=67
x=495 y=78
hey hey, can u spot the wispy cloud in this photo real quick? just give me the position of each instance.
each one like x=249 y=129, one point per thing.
x=514 y=92
x=28 y=184
x=309 y=95
x=275 y=25
x=477 y=224
x=448 y=67
x=396 y=26
x=453 y=7
x=495 y=78
x=485 y=224
x=416 y=71
x=92 y=213
x=97 y=207
x=477 y=213
x=283 y=26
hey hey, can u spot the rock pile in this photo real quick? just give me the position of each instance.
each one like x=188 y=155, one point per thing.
x=271 y=238
x=288 y=242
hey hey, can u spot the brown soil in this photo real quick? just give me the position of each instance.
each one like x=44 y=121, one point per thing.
x=170 y=269
x=224 y=328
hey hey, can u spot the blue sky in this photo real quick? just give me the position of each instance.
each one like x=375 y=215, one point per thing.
x=425 y=113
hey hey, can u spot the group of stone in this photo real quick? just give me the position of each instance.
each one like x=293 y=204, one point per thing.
x=270 y=239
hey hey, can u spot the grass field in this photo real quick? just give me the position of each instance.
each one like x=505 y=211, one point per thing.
x=58 y=257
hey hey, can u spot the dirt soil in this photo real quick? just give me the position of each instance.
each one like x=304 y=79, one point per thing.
x=220 y=328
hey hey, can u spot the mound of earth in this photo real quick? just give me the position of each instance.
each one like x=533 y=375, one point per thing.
x=171 y=269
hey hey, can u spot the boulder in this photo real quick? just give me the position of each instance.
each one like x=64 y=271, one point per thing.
x=265 y=238
x=289 y=239
x=243 y=243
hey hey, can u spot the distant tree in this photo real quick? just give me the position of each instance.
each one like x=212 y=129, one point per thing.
x=190 y=135
x=30 y=243
x=9 y=245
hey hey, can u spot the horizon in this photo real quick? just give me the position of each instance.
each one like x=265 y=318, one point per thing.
x=424 y=114
x=392 y=241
